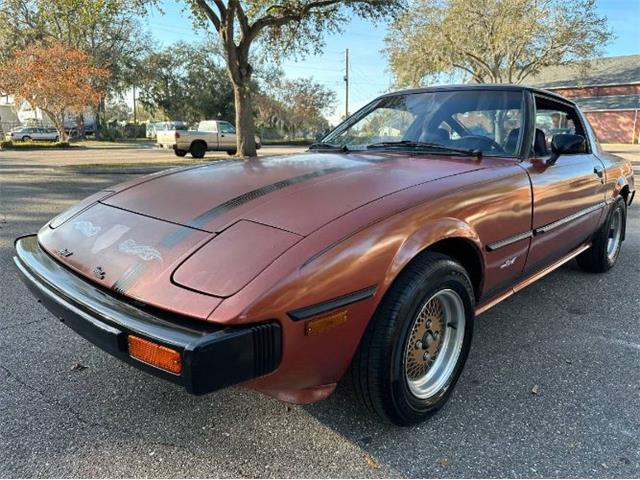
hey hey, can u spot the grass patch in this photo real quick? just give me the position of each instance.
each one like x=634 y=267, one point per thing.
x=32 y=145
x=122 y=143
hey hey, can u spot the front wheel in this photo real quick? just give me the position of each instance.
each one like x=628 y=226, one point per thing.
x=607 y=242
x=417 y=342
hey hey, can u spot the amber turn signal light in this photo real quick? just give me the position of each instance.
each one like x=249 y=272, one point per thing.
x=154 y=354
x=325 y=322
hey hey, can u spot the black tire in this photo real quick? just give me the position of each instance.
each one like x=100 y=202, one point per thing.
x=598 y=259
x=56 y=139
x=198 y=149
x=26 y=138
x=258 y=146
x=180 y=153
x=232 y=152
x=378 y=369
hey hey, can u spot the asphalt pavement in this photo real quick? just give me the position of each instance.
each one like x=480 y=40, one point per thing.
x=551 y=387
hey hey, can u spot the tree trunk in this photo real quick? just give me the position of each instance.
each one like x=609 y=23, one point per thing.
x=80 y=126
x=99 y=117
x=245 y=127
x=59 y=124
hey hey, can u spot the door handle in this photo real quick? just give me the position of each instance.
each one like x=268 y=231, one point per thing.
x=598 y=171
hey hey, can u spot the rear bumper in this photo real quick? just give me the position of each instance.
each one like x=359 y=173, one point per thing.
x=167 y=146
x=213 y=357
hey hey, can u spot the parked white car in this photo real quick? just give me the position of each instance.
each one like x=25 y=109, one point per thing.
x=33 y=133
x=208 y=135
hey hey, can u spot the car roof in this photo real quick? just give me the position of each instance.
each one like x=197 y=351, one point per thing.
x=480 y=87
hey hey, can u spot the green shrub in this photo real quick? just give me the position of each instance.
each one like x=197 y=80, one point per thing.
x=114 y=132
x=110 y=134
x=132 y=130
x=20 y=145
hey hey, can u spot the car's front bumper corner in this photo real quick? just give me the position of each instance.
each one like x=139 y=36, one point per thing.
x=212 y=356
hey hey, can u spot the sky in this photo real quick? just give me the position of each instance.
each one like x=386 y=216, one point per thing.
x=369 y=74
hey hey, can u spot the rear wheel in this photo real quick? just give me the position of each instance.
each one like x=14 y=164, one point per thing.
x=417 y=342
x=232 y=152
x=26 y=138
x=607 y=242
x=198 y=149
x=180 y=153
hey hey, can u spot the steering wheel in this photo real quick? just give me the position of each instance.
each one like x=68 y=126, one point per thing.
x=485 y=143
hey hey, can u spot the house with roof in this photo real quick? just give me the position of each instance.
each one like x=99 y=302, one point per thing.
x=14 y=115
x=607 y=90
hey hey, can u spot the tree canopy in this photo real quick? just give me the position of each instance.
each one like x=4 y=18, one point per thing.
x=55 y=78
x=295 y=106
x=109 y=31
x=491 y=41
x=284 y=28
x=186 y=82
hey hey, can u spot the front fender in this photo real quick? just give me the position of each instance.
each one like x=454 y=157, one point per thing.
x=425 y=237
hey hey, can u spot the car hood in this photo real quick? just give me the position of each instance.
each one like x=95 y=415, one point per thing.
x=184 y=240
x=297 y=193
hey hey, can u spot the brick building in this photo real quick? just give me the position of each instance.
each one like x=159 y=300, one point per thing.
x=607 y=90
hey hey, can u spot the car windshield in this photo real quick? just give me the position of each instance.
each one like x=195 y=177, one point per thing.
x=482 y=121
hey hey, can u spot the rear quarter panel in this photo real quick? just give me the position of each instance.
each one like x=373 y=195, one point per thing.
x=619 y=174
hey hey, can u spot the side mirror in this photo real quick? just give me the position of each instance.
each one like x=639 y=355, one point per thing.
x=566 y=144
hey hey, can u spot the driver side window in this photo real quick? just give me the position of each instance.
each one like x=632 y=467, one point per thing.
x=226 y=127
x=494 y=124
x=553 y=118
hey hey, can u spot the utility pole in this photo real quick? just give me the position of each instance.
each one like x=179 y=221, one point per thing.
x=346 y=83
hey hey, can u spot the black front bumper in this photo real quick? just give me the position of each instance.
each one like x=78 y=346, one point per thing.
x=213 y=356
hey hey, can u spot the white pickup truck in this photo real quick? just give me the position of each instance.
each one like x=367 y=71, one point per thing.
x=208 y=135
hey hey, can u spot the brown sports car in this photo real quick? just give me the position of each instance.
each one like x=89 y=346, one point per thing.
x=374 y=251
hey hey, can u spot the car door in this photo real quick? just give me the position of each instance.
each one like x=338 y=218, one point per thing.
x=568 y=195
x=38 y=134
x=227 y=136
x=207 y=130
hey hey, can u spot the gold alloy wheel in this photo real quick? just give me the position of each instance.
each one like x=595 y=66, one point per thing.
x=435 y=343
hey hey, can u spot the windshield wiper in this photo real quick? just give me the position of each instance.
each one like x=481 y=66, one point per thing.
x=426 y=145
x=328 y=146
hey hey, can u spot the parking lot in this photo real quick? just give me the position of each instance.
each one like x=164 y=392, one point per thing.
x=68 y=409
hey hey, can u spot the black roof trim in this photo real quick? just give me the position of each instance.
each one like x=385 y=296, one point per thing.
x=481 y=86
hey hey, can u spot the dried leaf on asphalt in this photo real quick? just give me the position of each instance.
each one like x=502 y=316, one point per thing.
x=372 y=462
